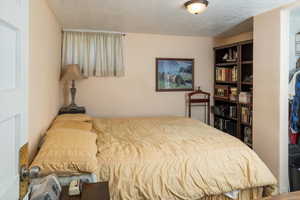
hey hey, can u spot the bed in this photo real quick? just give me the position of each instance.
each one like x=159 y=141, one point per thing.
x=175 y=158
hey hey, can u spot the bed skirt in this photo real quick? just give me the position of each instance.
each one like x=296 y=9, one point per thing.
x=248 y=194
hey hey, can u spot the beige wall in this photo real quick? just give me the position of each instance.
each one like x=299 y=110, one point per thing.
x=220 y=41
x=271 y=70
x=266 y=88
x=134 y=94
x=44 y=68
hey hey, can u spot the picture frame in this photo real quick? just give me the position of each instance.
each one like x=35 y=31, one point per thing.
x=174 y=74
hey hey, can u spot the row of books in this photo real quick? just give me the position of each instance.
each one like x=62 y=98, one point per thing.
x=222 y=91
x=227 y=74
x=225 y=125
x=246 y=115
x=227 y=92
x=225 y=111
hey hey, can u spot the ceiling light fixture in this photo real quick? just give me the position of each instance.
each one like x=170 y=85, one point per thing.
x=196 y=6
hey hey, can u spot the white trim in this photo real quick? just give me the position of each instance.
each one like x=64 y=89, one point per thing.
x=24 y=138
x=283 y=100
x=284 y=74
x=93 y=31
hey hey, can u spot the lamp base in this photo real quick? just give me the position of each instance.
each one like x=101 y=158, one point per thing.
x=71 y=109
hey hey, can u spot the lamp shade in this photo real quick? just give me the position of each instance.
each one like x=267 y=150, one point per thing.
x=196 y=6
x=71 y=72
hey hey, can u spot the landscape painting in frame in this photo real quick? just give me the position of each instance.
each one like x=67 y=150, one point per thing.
x=174 y=74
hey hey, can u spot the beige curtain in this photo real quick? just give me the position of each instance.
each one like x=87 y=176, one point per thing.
x=98 y=54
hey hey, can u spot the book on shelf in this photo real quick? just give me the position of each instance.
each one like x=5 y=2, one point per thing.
x=248 y=135
x=233 y=112
x=234 y=73
x=246 y=115
x=226 y=74
x=233 y=94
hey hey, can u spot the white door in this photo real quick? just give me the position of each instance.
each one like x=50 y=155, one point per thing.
x=13 y=100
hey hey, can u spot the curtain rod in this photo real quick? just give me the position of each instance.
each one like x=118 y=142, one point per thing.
x=93 y=31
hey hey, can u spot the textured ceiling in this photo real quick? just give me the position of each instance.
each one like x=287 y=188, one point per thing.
x=223 y=17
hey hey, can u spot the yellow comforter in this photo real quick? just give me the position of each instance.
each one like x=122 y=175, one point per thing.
x=174 y=158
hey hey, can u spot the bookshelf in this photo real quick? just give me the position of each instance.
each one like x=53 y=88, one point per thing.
x=233 y=83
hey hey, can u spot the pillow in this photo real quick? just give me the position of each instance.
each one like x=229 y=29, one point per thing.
x=74 y=117
x=85 y=126
x=67 y=152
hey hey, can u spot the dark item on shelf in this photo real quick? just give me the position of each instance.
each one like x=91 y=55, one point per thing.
x=248 y=135
x=294 y=167
x=248 y=78
x=205 y=101
x=225 y=111
x=225 y=125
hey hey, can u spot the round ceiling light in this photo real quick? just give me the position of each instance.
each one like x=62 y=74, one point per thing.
x=196 y=6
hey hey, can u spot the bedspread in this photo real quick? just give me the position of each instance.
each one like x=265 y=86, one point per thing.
x=174 y=158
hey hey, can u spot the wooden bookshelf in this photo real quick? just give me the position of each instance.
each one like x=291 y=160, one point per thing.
x=240 y=58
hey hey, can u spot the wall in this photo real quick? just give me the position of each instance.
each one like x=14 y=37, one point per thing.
x=266 y=76
x=134 y=94
x=271 y=69
x=44 y=69
x=220 y=41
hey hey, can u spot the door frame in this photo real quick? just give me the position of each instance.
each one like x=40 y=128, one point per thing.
x=22 y=25
x=285 y=63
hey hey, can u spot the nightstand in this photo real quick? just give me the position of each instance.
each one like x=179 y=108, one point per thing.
x=66 y=110
x=90 y=191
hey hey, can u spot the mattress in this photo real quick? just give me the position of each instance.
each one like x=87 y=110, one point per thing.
x=176 y=158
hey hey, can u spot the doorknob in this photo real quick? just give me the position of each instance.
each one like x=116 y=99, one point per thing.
x=24 y=173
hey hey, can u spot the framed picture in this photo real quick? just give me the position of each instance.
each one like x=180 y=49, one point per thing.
x=174 y=74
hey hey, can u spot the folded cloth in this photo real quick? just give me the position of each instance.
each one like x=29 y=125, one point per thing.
x=46 y=188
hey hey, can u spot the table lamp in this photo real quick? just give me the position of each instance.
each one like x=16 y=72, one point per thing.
x=72 y=73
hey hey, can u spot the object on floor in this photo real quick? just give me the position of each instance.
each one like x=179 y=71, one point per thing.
x=90 y=191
